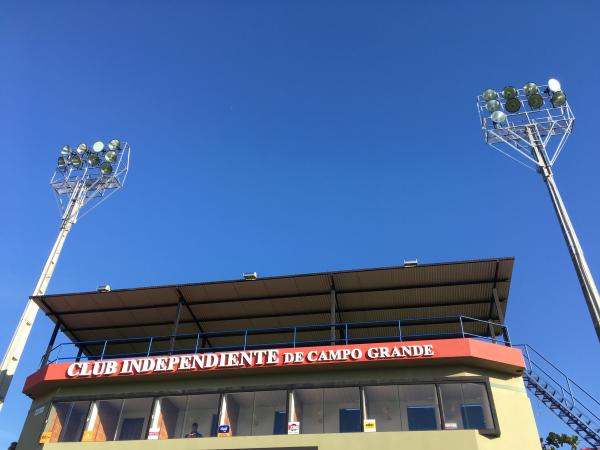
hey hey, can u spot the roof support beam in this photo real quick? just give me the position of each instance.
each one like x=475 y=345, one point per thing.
x=332 y=316
x=176 y=325
x=205 y=341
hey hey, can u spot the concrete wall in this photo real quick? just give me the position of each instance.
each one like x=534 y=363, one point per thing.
x=513 y=410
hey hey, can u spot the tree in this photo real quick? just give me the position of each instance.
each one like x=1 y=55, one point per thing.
x=555 y=441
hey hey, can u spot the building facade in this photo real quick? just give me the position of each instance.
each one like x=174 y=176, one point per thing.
x=402 y=357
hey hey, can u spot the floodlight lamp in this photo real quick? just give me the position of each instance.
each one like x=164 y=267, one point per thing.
x=66 y=150
x=98 y=146
x=82 y=148
x=535 y=101
x=106 y=168
x=492 y=105
x=559 y=98
x=530 y=89
x=489 y=94
x=553 y=85
x=509 y=92
x=498 y=116
x=93 y=159
x=513 y=105
x=110 y=156
x=75 y=161
x=114 y=145
x=62 y=164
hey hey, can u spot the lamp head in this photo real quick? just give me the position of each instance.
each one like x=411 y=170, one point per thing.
x=489 y=94
x=498 y=117
x=553 y=85
x=509 y=92
x=512 y=105
x=98 y=146
x=492 y=105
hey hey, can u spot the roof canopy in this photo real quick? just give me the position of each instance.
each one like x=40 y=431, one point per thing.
x=393 y=293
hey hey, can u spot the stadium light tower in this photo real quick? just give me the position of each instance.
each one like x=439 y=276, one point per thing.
x=84 y=177
x=531 y=125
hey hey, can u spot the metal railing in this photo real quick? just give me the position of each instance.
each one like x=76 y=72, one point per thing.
x=296 y=336
x=571 y=393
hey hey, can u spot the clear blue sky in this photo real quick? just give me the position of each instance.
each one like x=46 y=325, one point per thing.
x=296 y=136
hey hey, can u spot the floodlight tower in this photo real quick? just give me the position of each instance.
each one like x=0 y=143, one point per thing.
x=84 y=177
x=531 y=125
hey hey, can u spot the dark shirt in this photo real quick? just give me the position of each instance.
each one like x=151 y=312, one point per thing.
x=193 y=434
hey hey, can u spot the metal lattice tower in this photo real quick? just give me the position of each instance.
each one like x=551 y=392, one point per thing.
x=84 y=178
x=531 y=125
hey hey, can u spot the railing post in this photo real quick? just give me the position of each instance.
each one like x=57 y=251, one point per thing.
x=79 y=353
x=245 y=339
x=103 y=350
x=197 y=341
x=346 y=332
x=149 y=346
x=462 y=329
x=294 y=337
x=570 y=391
x=399 y=332
x=58 y=353
x=528 y=356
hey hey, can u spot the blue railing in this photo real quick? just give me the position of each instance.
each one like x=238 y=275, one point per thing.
x=297 y=336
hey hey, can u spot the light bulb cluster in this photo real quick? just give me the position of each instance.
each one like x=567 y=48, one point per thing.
x=82 y=157
x=508 y=101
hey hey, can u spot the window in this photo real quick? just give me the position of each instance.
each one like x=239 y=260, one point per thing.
x=66 y=421
x=167 y=418
x=134 y=419
x=237 y=413
x=202 y=410
x=103 y=420
x=331 y=410
x=419 y=407
x=466 y=406
x=382 y=404
x=270 y=413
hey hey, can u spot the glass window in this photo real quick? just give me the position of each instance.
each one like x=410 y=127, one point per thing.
x=103 y=420
x=332 y=410
x=466 y=406
x=66 y=421
x=237 y=412
x=201 y=416
x=419 y=407
x=167 y=418
x=134 y=419
x=382 y=404
x=270 y=413
x=307 y=408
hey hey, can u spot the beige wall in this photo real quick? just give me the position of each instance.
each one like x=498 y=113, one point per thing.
x=513 y=409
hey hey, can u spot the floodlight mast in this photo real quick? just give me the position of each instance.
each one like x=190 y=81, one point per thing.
x=534 y=137
x=76 y=184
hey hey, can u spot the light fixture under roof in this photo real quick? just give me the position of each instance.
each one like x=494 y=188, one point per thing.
x=553 y=85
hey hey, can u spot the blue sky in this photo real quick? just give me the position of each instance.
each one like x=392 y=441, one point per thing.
x=291 y=137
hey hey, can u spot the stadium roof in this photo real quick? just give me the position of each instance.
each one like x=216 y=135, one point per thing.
x=425 y=291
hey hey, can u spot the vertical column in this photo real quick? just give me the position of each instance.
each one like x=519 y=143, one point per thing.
x=51 y=343
x=176 y=325
x=332 y=321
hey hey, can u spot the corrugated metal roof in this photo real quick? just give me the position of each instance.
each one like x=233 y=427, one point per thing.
x=391 y=293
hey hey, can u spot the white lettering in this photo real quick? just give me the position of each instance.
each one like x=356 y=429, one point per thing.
x=373 y=353
x=273 y=357
x=73 y=370
x=185 y=363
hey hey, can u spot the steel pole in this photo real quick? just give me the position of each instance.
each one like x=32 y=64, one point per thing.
x=586 y=280
x=21 y=333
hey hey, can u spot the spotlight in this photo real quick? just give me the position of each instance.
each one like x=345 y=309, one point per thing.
x=492 y=105
x=509 y=92
x=66 y=150
x=559 y=98
x=82 y=148
x=62 y=164
x=553 y=85
x=489 y=94
x=110 y=156
x=114 y=145
x=513 y=105
x=535 y=101
x=530 y=89
x=93 y=159
x=98 y=146
x=498 y=116
x=106 y=168
x=75 y=161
